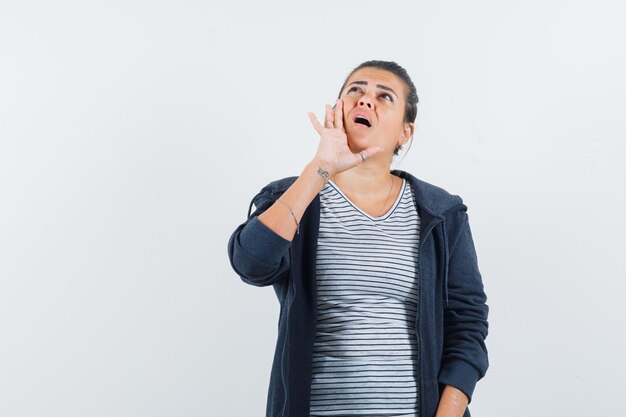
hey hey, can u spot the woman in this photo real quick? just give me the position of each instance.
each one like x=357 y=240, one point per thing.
x=383 y=311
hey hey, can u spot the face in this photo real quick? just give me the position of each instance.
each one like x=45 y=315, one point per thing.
x=378 y=96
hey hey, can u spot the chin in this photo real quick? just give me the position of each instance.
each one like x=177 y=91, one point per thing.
x=358 y=140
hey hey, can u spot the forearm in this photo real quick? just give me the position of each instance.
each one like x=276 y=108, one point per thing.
x=297 y=197
x=453 y=403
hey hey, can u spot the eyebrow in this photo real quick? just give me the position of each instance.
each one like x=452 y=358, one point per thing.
x=382 y=87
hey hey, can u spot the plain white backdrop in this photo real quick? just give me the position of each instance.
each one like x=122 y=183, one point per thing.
x=133 y=135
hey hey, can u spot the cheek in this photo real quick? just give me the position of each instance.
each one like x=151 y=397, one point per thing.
x=394 y=125
x=398 y=119
x=391 y=117
x=348 y=102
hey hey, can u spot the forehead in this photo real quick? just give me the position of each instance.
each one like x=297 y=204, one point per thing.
x=375 y=76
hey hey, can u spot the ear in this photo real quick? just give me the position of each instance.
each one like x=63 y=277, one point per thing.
x=409 y=129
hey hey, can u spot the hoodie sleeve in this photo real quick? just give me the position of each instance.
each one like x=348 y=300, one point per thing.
x=257 y=254
x=465 y=359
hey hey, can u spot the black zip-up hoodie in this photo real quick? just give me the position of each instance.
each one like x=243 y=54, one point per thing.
x=451 y=322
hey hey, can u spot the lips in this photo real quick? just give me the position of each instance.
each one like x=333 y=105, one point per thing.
x=363 y=119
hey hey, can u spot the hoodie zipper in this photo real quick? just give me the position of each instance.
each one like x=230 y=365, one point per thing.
x=282 y=359
x=430 y=227
x=290 y=286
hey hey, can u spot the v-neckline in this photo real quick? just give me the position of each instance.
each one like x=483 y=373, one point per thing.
x=369 y=216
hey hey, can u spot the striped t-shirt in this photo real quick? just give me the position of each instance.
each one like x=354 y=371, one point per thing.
x=364 y=356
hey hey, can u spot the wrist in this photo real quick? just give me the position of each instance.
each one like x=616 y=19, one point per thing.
x=321 y=169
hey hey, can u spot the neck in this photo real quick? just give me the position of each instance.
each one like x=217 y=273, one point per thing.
x=365 y=182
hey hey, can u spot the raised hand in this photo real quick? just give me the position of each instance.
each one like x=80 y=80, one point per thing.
x=333 y=149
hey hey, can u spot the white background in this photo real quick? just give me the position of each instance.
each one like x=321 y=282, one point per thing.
x=133 y=135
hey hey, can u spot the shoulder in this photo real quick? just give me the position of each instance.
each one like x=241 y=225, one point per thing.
x=277 y=186
x=434 y=198
x=280 y=184
x=272 y=190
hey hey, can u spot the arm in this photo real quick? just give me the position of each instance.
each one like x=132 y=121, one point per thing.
x=259 y=248
x=297 y=197
x=464 y=359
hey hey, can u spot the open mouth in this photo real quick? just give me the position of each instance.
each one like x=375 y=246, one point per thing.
x=363 y=121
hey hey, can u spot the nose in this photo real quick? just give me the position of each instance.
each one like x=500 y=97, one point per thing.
x=365 y=101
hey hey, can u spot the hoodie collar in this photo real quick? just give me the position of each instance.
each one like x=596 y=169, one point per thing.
x=433 y=199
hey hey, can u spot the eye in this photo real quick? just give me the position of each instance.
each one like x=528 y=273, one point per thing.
x=387 y=95
x=353 y=88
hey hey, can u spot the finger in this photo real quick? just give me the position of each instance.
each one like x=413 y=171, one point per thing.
x=339 y=114
x=371 y=151
x=328 y=118
x=360 y=156
x=367 y=153
x=317 y=125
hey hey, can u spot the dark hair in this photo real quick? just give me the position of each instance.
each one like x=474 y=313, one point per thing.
x=411 y=99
